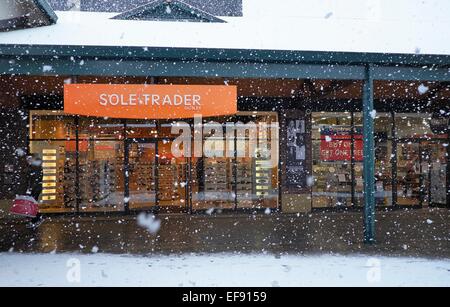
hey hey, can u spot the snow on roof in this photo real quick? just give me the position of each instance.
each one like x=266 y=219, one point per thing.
x=301 y=25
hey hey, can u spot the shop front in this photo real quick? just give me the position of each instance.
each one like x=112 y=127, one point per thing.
x=410 y=160
x=190 y=161
x=258 y=153
x=361 y=118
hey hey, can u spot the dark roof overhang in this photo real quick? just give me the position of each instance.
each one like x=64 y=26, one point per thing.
x=33 y=13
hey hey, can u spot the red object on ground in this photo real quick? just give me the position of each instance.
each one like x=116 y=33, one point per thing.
x=24 y=205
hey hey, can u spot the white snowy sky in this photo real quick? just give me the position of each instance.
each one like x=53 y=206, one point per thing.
x=386 y=26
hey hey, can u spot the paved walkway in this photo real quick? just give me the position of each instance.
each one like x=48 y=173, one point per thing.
x=220 y=269
x=417 y=232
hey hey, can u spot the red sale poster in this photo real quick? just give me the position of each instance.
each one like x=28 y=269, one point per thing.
x=336 y=145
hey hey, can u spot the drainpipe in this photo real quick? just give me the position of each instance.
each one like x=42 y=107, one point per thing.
x=369 y=157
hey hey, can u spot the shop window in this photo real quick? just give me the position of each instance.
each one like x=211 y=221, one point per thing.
x=358 y=159
x=256 y=175
x=172 y=178
x=52 y=138
x=59 y=171
x=410 y=128
x=51 y=125
x=409 y=179
x=141 y=129
x=101 y=180
x=338 y=183
x=413 y=125
x=100 y=128
x=247 y=178
x=331 y=141
x=422 y=159
x=142 y=174
x=435 y=171
x=213 y=186
x=383 y=159
x=101 y=161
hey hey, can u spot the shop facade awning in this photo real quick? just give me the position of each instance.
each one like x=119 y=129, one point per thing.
x=144 y=101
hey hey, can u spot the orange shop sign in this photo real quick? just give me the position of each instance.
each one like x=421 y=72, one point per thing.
x=143 y=101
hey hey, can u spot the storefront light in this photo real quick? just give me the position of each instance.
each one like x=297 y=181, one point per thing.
x=48 y=197
x=49 y=151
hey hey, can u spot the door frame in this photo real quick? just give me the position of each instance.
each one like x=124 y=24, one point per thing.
x=155 y=141
x=424 y=184
x=127 y=143
x=422 y=193
x=427 y=192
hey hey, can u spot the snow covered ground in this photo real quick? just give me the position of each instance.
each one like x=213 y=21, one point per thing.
x=99 y=269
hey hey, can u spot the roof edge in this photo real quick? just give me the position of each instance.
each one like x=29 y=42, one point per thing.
x=225 y=55
x=47 y=10
x=194 y=11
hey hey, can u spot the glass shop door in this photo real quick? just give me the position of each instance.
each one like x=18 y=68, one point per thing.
x=172 y=181
x=156 y=179
x=434 y=166
x=142 y=174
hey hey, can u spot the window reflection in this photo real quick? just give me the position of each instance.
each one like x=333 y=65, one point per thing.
x=156 y=178
x=332 y=143
x=58 y=167
x=101 y=162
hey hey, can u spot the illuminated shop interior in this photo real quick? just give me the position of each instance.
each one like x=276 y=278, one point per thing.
x=94 y=164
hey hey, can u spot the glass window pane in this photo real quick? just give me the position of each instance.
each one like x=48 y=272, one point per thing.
x=172 y=180
x=435 y=169
x=383 y=125
x=51 y=125
x=142 y=175
x=101 y=175
x=408 y=173
x=251 y=180
x=413 y=125
x=212 y=185
x=358 y=161
x=383 y=156
x=257 y=173
x=331 y=133
x=165 y=128
x=383 y=159
x=100 y=128
x=58 y=175
x=141 y=129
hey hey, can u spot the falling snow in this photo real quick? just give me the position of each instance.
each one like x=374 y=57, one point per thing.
x=285 y=201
